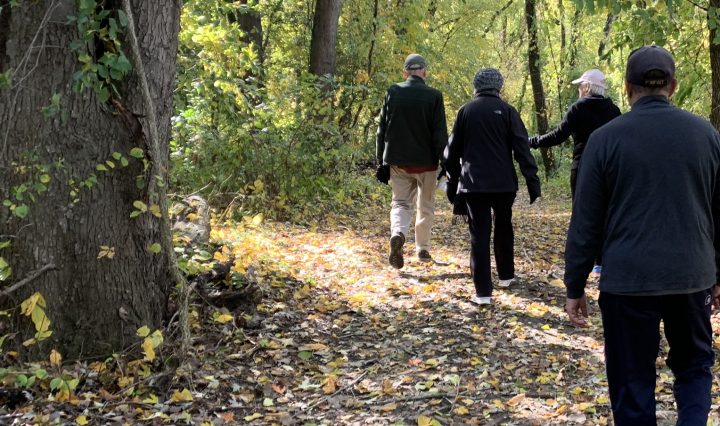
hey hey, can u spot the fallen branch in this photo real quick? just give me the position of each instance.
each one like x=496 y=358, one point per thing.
x=342 y=389
x=424 y=396
x=27 y=280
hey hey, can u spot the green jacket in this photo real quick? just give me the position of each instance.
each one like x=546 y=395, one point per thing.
x=412 y=130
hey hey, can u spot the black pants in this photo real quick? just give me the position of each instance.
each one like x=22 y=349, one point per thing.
x=481 y=222
x=632 y=335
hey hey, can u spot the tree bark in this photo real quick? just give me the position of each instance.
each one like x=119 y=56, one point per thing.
x=715 y=68
x=537 y=86
x=324 y=37
x=606 y=34
x=95 y=303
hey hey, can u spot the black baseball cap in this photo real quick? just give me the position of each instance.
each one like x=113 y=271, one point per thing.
x=650 y=66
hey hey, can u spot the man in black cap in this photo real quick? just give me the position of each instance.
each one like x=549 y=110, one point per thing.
x=648 y=196
x=410 y=140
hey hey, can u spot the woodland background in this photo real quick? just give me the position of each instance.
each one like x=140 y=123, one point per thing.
x=113 y=112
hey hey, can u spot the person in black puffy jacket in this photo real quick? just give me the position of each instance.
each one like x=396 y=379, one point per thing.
x=488 y=133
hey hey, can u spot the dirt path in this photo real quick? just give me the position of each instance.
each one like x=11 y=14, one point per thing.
x=342 y=338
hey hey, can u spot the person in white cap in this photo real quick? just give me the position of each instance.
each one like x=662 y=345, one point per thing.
x=591 y=111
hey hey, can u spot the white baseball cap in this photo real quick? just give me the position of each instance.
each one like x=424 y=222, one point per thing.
x=593 y=76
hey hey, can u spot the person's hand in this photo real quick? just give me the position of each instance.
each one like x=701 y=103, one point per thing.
x=534 y=142
x=534 y=192
x=577 y=311
x=382 y=173
x=715 y=290
x=451 y=191
x=442 y=172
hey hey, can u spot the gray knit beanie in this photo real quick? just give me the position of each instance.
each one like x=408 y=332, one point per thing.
x=488 y=80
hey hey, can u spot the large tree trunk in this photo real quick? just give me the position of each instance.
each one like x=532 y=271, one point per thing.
x=95 y=302
x=537 y=85
x=715 y=67
x=324 y=37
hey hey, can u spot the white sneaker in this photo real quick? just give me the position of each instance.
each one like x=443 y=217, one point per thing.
x=481 y=300
x=506 y=283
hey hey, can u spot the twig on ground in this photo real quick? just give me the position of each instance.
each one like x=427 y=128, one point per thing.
x=342 y=389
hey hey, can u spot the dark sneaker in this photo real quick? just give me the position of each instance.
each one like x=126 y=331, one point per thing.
x=424 y=256
x=396 y=250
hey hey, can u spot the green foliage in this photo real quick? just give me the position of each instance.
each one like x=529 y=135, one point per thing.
x=275 y=145
x=99 y=51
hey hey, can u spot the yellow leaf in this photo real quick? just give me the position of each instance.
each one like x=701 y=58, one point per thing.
x=55 y=357
x=259 y=185
x=257 y=219
x=81 y=420
x=220 y=256
x=461 y=410
x=148 y=349
x=387 y=387
x=515 y=400
x=223 y=318
x=577 y=390
x=155 y=210
x=143 y=331
x=424 y=421
x=181 y=396
x=427 y=421
x=252 y=417
x=152 y=399
x=388 y=407
x=330 y=384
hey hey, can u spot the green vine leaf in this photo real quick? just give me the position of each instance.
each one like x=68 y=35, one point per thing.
x=137 y=153
x=21 y=211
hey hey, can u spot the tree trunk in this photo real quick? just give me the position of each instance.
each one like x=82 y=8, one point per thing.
x=606 y=34
x=537 y=85
x=324 y=37
x=250 y=22
x=715 y=68
x=106 y=282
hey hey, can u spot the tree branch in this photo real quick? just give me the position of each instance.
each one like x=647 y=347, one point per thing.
x=156 y=173
x=27 y=280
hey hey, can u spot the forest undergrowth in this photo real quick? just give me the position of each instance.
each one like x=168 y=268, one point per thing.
x=342 y=338
x=339 y=337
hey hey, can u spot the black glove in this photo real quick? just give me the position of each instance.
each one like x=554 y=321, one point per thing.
x=534 y=142
x=442 y=173
x=534 y=191
x=451 y=191
x=382 y=173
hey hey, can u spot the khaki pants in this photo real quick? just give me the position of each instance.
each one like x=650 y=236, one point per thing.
x=410 y=192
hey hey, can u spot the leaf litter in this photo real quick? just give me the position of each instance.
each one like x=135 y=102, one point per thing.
x=339 y=337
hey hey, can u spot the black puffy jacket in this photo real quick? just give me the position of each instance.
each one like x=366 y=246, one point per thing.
x=488 y=133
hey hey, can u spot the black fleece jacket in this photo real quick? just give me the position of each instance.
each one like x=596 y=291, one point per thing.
x=581 y=119
x=412 y=129
x=648 y=197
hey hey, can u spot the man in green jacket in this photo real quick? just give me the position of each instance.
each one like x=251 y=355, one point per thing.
x=411 y=138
